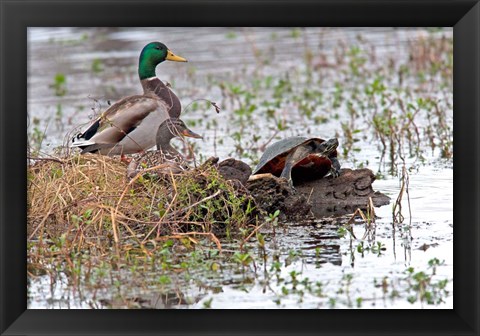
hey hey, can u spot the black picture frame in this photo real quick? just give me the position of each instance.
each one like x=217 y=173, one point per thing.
x=16 y=16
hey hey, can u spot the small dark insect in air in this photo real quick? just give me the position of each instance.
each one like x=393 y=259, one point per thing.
x=216 y=106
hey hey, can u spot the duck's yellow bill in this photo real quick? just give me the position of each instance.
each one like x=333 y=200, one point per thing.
x=191 y=134
x=172 y=57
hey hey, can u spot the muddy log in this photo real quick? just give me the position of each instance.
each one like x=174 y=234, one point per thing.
x=272 y=193
x=351 y=190
x=319 y=198
x=308 y=199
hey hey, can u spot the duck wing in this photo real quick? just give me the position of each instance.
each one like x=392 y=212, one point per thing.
x=120 y=114
x=119 y=121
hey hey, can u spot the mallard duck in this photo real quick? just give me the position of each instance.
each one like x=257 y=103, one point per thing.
x=170 y=129
x=153 y=54
x=129 y=125
x=165 y=153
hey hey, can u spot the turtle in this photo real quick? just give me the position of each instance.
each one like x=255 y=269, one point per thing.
x=313 y=156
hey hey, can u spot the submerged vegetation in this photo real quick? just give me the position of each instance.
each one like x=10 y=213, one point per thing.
x=401 y=103
x=180 y=239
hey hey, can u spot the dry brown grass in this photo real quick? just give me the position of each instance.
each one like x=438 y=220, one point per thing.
x=87 y=203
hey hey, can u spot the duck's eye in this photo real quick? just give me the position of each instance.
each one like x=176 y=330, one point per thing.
x=158 y=48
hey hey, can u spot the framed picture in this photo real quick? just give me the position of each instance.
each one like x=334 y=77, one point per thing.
x=323 y=51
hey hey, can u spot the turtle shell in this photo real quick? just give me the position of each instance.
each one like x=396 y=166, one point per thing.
x=273 y=159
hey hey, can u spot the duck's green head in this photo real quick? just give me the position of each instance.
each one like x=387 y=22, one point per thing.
x=153 y=54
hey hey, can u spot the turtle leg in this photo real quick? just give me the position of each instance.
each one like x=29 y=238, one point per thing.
x=293 y=158
x=335 y=170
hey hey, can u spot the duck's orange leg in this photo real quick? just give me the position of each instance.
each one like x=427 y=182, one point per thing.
x=124 y=159
x=127 y=160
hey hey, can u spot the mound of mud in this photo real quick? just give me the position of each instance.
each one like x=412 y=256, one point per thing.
x=319 y=198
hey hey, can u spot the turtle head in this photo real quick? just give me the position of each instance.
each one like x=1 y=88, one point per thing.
x=153 y=54
x=327 y=147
